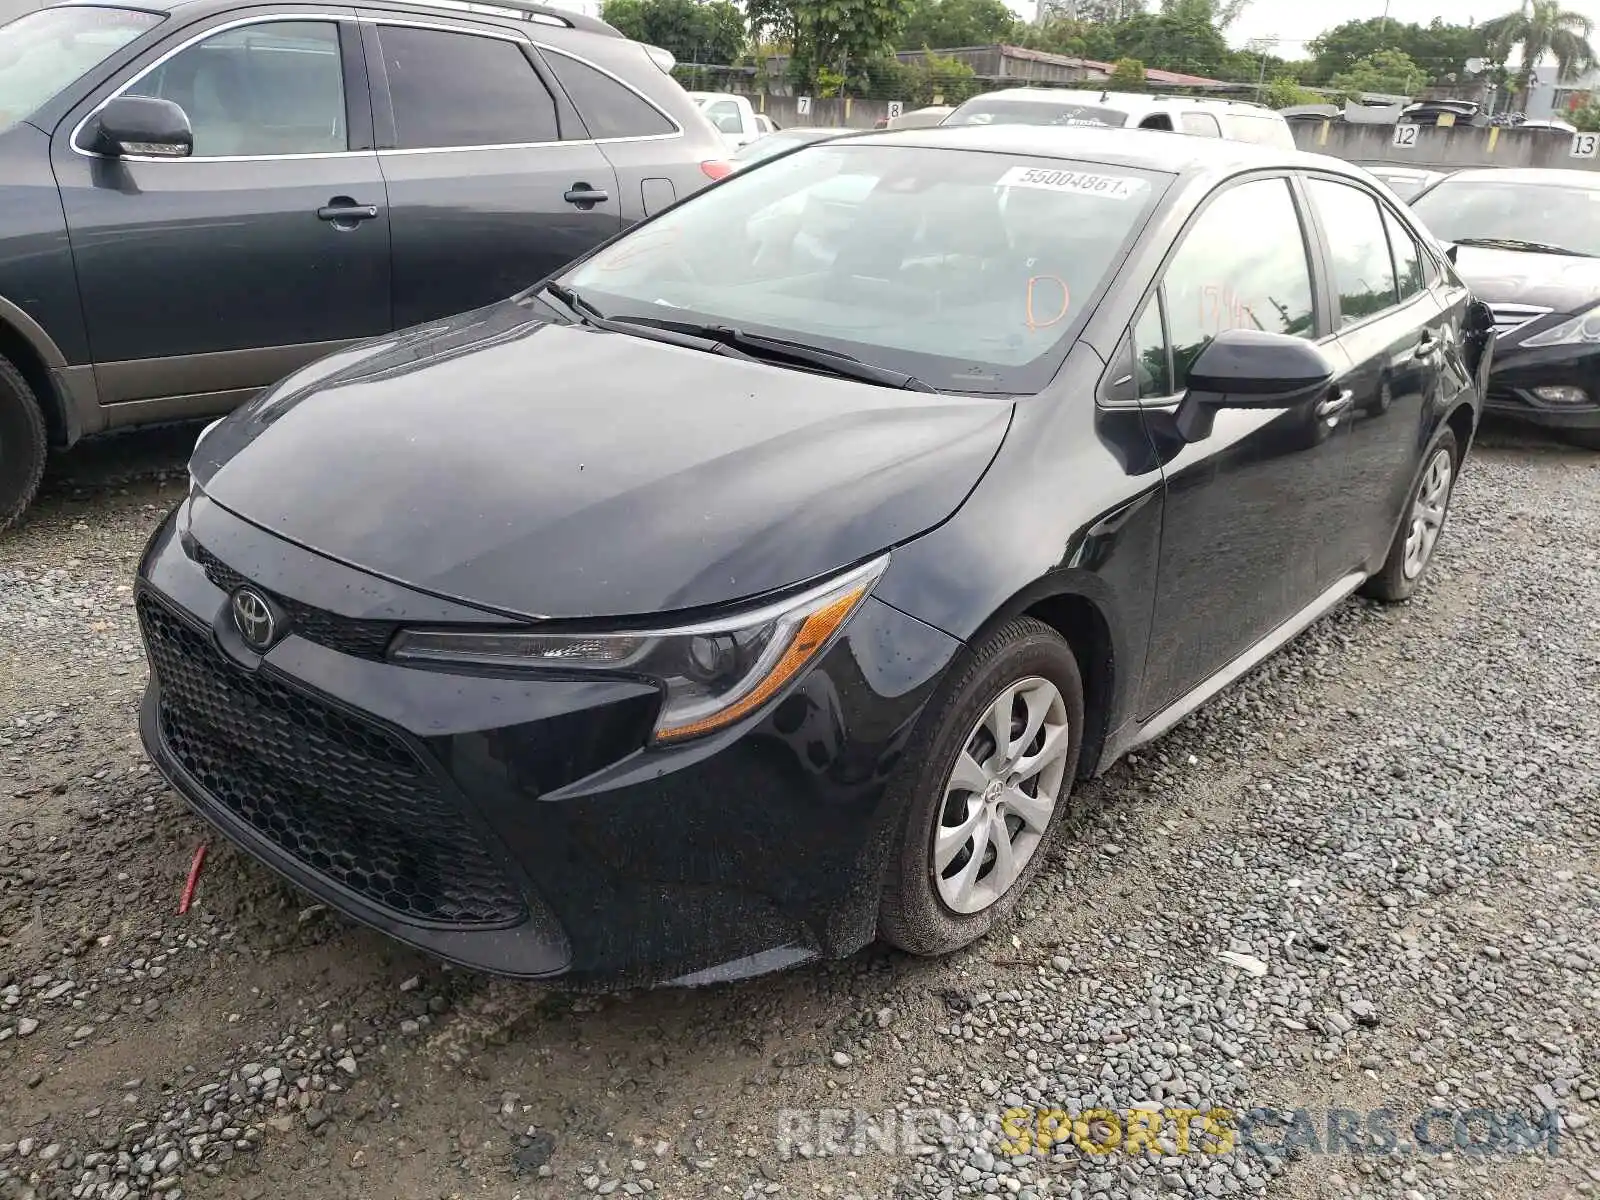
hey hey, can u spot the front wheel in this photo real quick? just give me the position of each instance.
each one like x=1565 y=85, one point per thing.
x=1419 y=532
x=23 y=444
x=993 y=766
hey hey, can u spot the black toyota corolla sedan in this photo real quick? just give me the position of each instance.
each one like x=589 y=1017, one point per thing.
x=1528 y=244
x=760 y=585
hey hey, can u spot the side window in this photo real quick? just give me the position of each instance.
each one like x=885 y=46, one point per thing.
x=267 y=89
x=459 y=89
x=1201 y=124
x=1363 y=272
x=1242 y=265
x=1260 y=129
x=1157 y=121
x=609 y=109
x=1152 y=366
x=1407 y=257
x=724 y=114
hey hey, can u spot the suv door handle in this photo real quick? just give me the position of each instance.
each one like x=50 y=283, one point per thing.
x=342 y=210
x=1428 y=346
x=1335 y=404
x=585 y=196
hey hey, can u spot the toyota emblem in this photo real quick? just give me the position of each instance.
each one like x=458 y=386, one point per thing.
x=252 y=617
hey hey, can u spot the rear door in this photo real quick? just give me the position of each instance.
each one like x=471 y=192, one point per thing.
x=1395 y=334
x=207 y=277
x=492 y=182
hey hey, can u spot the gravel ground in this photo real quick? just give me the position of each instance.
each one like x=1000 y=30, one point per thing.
x=1391 y=831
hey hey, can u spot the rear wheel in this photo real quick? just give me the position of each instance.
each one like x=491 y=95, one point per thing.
x=995 y=761
x=1419 y=533
x=23 y=444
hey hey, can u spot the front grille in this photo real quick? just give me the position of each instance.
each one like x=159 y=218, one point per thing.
x=1511 y=317
x=348 y=635
x=345 y=798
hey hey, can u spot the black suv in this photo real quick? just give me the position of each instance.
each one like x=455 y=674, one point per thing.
x=198 y=198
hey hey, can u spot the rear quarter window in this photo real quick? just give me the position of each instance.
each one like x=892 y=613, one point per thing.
x=1260 y=129
x=609 y=109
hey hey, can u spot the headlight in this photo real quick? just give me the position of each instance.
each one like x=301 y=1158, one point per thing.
x=1581 y=330
x=712 y=674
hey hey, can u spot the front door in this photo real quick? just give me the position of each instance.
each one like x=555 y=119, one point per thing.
x=206 y=278
x=1243 y=510
x=489 y=192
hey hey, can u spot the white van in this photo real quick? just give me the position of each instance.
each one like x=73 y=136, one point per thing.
x=1237 y=120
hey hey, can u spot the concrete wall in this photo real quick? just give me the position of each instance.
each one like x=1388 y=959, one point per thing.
x=785 y=110
x=1448 y=149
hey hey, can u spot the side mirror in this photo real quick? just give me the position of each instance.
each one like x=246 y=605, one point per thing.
x=1248 y=368
x=142 y=125
x=1450 y=252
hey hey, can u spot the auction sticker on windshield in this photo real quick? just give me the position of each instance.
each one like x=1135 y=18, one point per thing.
x=1113 y=187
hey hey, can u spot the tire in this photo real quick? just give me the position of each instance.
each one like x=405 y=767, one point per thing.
x=24 y=444
x=916 y=913
x=1402 y=574
x=1588 y=439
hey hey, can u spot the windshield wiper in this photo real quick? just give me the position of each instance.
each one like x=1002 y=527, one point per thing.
x=1495 y=243
x=588 y=314
x=771 y=349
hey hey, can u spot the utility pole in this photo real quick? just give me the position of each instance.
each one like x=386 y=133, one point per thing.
x=1261 y=46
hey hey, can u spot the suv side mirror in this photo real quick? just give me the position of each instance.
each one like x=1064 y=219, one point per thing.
x=142 y=125
x=1249 y=368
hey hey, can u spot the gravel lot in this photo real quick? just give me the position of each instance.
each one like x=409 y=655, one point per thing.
x=1397 y=817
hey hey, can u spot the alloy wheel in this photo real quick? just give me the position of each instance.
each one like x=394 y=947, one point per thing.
x=1001 y=795
x=1427 y=513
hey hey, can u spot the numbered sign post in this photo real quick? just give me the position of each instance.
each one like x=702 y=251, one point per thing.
x=896 y=107
x=803 y=105
x=1405 y=136
x=1584 y=145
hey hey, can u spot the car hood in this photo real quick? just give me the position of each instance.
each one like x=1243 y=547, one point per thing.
x=548 y=470
x=1559 y=282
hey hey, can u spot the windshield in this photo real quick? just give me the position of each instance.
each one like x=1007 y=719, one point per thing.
x=44 y=52
x=983 y=111
x=1468 y=209
x=970 y=271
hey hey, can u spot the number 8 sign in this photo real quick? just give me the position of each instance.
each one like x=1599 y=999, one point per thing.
x=1584 y=145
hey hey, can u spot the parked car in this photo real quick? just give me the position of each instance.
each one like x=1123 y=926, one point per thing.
x=1239 y=120
x=734 y=117
x=699 y=611
x=196 y=199
x=1405 y=182
x=777 y=143
x=917 y=118
x=1528 y=242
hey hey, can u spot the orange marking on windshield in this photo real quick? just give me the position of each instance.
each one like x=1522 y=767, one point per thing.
x=1066 y=301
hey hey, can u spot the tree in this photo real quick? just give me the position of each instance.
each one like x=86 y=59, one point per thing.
x=1439 y=49
x=948 y=23
x=1078 y=39
x=694 y=31
x=1183 y=37
x=1542 y=30
x=1388 y=71
x=1127 y=76
x=1284 y=92
x=837 y=35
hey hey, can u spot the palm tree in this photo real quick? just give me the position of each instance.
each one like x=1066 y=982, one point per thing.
x=1542 y=29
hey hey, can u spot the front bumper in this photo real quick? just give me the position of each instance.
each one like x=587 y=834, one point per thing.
x=1518 y=372
x=517 y=825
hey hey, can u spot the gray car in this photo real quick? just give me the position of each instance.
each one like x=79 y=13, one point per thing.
x=198 y=198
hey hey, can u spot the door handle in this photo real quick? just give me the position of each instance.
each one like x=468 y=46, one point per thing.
x=1428 y=347
x=341 y=210
x=1331 y=406
x=585 y=196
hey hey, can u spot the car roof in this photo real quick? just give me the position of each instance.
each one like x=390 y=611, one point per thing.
x=522 y=11
x=1554 y=176
x=1129 y=101
x=1146 y=149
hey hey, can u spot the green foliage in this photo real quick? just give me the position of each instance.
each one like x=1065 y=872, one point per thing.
x=1543 y=29
x=944 y=24
x=839 y=35
x=1128 y=76
x=695 y=31
x=1586 y=118
x=1388 y=71
x=1078 y=39
x=1182 y=37
x=1285 y=92
x=1438 y=49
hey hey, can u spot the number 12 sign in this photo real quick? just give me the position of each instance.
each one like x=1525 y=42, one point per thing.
x=1405 y=136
